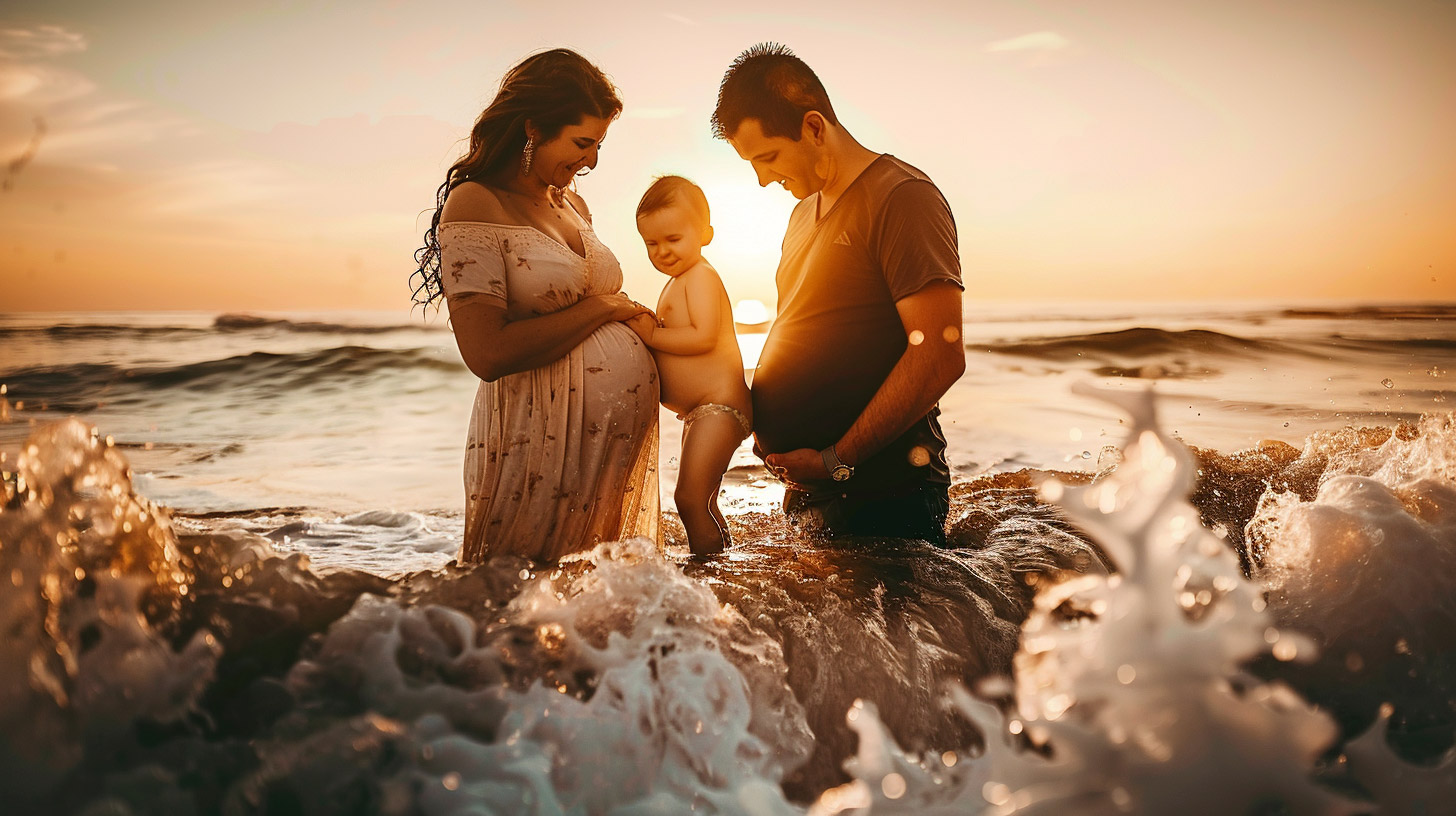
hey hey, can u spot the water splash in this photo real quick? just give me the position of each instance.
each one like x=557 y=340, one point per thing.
x=1130 y=692
x=623 y=684
x=152 y=671
x=1363 y=560
x=86 y=561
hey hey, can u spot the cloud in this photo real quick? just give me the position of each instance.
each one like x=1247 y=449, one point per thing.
x=84 y=126
x=41 y=85
x=212 y=186
x=83 y=135
x=39 y=42
x=1037 y=41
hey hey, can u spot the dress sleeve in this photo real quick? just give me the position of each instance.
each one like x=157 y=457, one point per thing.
x=471 y=262
x=917 y=240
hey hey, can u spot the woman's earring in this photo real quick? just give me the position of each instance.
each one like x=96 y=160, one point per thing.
x=527 y=155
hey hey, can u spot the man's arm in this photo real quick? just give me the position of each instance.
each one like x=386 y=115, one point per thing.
x=927 y=369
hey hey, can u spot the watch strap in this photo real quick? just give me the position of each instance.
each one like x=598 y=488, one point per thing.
x=832 y=463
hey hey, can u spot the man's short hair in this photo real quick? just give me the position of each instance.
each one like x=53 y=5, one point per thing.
x=768 y=83
x=668 y=190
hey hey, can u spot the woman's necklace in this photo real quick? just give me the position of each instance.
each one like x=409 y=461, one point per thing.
x=555 y=200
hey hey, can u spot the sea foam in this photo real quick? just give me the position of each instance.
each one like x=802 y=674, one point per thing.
x=151 y=671
x=1131 y=694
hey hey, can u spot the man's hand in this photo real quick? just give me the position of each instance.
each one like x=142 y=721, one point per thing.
x=796 y=468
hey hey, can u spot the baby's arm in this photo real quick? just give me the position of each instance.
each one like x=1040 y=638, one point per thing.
x=700 y=334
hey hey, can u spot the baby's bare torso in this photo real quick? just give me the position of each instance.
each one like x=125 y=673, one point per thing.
x=690 y=380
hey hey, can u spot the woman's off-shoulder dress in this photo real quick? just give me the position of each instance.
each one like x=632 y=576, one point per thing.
x=561 y=457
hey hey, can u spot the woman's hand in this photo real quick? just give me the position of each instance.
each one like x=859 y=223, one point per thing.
x=622 y=308
x=644 y=325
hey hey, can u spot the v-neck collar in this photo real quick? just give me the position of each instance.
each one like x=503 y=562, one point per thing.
x=580 y=236
x=820 y=218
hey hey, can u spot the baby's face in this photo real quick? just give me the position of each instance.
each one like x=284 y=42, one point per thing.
x=673 y=237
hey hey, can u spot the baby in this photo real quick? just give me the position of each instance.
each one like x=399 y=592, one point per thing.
x=697 y=354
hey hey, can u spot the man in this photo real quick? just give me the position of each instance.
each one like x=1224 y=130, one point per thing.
x=867 y=338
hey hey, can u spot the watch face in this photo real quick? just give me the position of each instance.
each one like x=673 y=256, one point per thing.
x=842 y=472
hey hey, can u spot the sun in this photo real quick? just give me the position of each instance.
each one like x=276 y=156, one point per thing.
x=750 y=312
x=748 y=229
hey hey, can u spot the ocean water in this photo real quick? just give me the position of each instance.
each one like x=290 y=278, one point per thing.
x=235 y=593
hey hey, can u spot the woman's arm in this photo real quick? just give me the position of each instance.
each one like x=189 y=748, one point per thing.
x=701 y=332
x=493 y=346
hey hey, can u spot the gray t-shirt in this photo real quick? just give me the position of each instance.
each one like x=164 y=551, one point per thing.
x=837 y=334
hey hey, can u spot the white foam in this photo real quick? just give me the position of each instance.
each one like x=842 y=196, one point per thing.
x=688 y=706
x=1137 y=695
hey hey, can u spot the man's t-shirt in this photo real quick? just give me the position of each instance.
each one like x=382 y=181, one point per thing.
x=837 y=334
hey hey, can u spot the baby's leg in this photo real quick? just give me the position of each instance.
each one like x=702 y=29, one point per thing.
x=708 y=446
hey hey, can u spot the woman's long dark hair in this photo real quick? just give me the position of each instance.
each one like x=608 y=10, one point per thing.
x=552 y=89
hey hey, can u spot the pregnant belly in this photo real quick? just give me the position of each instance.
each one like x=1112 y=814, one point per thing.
x=619 y=372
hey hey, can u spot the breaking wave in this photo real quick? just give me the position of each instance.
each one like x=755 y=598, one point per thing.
x=1174 y=633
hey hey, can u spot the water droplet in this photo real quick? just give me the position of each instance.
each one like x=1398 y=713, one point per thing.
x=1086 y=454
x=451 y=781
x=1057 y=705
x=1388 y=383
x=949 y=759
x=893 y=785
x=996 y=793
x=1126 y=674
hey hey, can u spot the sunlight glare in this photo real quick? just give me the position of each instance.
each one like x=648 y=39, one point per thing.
x=750 y=312
x=748 y=229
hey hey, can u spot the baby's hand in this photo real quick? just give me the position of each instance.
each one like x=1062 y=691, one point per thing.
x=644 y=325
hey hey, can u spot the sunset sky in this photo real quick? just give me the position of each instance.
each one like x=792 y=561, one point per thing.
x=274 y=156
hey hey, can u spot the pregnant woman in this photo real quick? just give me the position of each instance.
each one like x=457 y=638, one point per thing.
x=562 y=449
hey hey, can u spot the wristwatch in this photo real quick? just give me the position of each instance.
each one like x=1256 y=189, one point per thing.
x=838 y=471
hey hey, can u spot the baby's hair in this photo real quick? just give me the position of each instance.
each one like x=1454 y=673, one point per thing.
x=668 y=190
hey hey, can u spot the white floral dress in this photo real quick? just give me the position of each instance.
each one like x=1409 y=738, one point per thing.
x=561 y=457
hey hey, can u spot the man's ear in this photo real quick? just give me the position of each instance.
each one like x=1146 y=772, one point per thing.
x=814 y=128
x=708 y=235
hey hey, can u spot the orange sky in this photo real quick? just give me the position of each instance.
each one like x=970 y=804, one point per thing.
x=277 y=155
